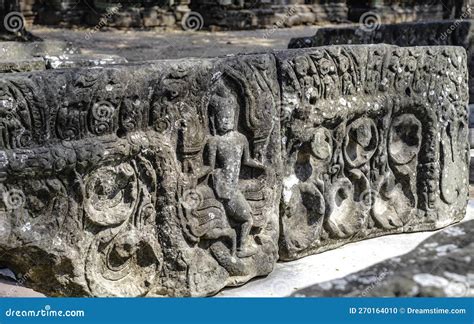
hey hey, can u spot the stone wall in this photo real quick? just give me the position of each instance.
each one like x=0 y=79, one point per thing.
x=272 y=14
x=110 y=13
x=178 y=178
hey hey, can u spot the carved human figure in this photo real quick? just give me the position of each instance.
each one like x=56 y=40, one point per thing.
x=15 y=120
x=330 y=78
x=346 y=78
x=227 y=151
x=309 y=79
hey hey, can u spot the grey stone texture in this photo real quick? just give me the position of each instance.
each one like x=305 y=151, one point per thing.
x=181 y=177
x=441 y=266
x=375 y=143
x=32 y=64
x=270 y=15
x=442 y=32
x=37 y=56
x=233 y=14
x=26 y=50
x=135 y=180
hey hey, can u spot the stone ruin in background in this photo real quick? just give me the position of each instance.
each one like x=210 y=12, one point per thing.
x=229 y=14
x=182 y=177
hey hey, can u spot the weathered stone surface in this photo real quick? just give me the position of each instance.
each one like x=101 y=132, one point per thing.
x=138 y=180
x=270 y=15
x=441 y=266
x=471 y=165
x=25 y=57
x=32 y=64
x=81 y=60
x=445 y=32
x=375 y=143
x=400 y=11
x=165 y=178
x=22 y=51
x=37 y=56
x=234 y=14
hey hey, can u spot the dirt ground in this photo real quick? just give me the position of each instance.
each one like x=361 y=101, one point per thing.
x=138 y=45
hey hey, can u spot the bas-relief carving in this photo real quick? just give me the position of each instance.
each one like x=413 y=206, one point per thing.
x=164 y=179
x=371 y=161
x=226 y=159
x=438 y=32
x=160 y=180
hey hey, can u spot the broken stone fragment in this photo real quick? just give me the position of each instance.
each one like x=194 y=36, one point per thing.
x=64 y=61
x=32 y=64
x=182 y=177
x=26 y=50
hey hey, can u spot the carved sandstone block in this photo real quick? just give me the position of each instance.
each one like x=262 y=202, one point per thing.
x=175 y=178
x=375 y=142
x=158 y=179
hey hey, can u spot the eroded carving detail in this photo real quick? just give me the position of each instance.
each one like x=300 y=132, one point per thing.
x=175 y=178
x=366 y=162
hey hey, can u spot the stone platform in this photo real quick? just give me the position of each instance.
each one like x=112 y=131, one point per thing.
x=182 y=177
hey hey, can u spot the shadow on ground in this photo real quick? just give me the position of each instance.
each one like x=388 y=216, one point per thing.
x=441 y=266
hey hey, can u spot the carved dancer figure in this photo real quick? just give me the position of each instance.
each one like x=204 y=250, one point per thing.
x=228 y=150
